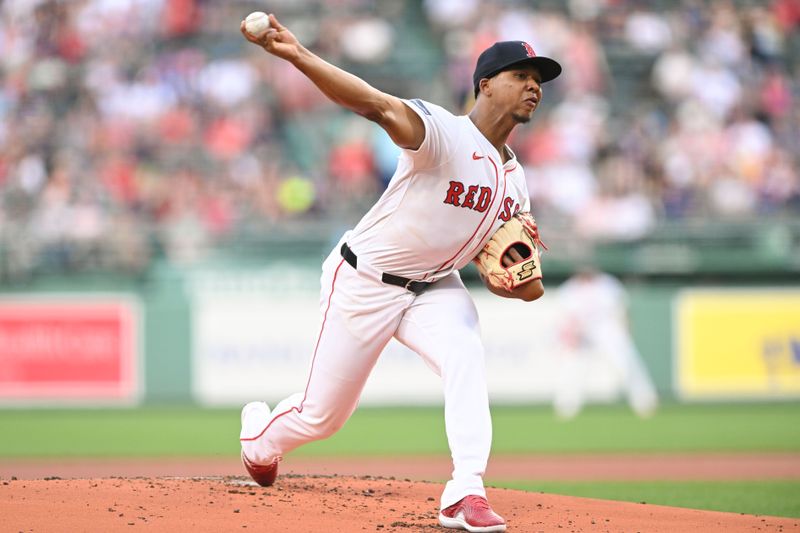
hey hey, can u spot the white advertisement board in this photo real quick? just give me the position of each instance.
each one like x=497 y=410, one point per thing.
x=254 y=334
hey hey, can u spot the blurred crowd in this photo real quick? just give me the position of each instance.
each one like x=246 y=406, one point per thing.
x=131 y=129
x=667 y=110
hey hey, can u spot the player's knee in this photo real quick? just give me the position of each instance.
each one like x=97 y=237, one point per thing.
x=329 y=423
x=334 y=425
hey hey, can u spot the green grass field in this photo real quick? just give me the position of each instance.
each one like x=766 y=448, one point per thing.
x=171 y=431
x=767 y=497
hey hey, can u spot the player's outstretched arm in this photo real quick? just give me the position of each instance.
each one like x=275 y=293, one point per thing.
x=401 y=123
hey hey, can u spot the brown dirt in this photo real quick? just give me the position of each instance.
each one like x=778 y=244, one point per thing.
x=608 y=467
x=140 y=496
x=331 y=504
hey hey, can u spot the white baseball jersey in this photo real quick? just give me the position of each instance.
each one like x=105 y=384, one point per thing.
x=444 y=202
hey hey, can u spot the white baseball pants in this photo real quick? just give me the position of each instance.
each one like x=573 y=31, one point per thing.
x=612 y=341
x=360 y=314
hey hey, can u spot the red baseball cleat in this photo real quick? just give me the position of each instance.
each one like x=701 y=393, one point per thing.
x=474 y=514
x=264 y=475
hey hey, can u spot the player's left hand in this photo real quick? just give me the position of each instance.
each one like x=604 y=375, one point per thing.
x=509 y=262
x=512 y=257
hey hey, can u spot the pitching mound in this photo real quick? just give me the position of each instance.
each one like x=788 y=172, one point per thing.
x=321 y=503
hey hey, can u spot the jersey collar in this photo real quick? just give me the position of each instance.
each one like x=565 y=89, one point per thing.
x=512 y=161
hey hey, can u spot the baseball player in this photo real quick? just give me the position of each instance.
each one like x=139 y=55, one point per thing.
x=595 y=320
x=396 y=273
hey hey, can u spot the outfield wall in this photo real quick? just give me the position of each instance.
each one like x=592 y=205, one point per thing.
x=224 y=335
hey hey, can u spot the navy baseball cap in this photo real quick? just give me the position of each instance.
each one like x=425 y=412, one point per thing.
x=505 y=54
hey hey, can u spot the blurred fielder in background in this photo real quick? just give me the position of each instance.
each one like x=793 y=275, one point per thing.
x=595 y=324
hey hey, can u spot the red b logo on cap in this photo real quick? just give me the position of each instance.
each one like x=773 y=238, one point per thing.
x=528 y=49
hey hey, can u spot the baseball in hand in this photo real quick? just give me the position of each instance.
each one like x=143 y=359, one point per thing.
x=256 y=23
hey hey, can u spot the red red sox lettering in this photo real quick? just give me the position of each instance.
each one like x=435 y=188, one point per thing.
x=460 y=196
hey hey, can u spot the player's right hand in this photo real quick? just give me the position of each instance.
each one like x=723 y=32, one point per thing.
x=277 y=40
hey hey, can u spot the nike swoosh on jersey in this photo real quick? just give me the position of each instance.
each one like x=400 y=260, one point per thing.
x=475 y=156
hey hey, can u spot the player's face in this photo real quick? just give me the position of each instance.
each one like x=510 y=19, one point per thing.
x=519 y=90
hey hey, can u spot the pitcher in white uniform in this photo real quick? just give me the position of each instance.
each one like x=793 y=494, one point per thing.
x=396 y=273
